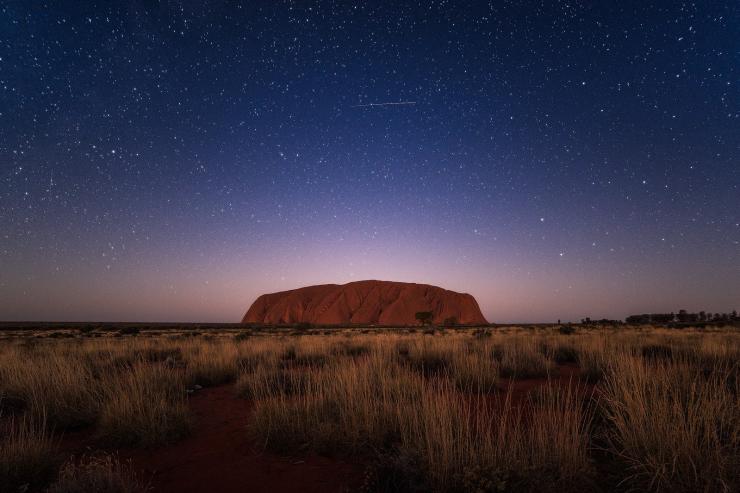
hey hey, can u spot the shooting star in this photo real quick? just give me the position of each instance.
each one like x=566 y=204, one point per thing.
x=400 y=103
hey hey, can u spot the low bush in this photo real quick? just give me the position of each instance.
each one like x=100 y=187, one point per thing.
x=567 y=330
x=242 y=336
x=657 y=351
x=564 y=353
x=101 y=474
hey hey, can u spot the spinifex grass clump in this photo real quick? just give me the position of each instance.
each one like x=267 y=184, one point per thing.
x=564 y=353
x=378 y=405
x=350 y=349
x=210 y=363
x=272 y=379
x=307 y=353
x=467 y=444
x=427 y=356
x=28 y=457
x=593 y=359
x=521 y=358
x=145 y=406
x=674 y=427
x=343 y=408
x=50 y=385
x=473 y=370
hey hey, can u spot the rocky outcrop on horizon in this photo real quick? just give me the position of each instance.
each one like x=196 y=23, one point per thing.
x=364 y=302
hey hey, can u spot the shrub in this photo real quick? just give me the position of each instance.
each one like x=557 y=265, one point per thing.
x=394 y=470
x=289 y=354
x=345 y=348
x=657 y=351
x=567 y=330
x=482 y=333
x=60 y=335
x=103 y=474
x=565 y=354
x=242 y=336
x=424 y=318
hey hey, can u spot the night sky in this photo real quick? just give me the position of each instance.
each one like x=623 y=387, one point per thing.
x=172 y=161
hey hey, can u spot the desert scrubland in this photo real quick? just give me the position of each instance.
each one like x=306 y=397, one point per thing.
x=504 y=409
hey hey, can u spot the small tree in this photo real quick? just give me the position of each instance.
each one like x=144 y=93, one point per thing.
x=424 y=318
x=450 y=321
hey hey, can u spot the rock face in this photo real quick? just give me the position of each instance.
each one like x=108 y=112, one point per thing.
x=364 y=302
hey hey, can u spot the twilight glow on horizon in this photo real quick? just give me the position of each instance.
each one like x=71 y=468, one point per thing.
x=173 y=161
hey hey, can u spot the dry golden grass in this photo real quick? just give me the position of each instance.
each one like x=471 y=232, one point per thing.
x=145 y=406
x=424 y=411
x=675 y=428
x=378 y=402
x=52 y=385
x=210 y=362
x=522 y=357
x=27 y=455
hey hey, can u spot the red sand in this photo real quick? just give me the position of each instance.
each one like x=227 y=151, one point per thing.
x=218 y=456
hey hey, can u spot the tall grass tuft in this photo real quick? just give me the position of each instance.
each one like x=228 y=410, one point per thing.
x=28 y=457
x=145 y=406
x=54 y=389
x=522 y=358
x=674 y=428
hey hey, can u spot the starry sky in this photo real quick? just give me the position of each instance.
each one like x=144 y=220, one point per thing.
x=170 y=161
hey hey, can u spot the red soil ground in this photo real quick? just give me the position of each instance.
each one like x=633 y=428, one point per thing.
x=219 y=456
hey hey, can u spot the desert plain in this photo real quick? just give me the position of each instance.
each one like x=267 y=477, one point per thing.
x=583 y=407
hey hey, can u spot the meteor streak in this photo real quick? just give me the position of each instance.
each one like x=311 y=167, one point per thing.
x=383 y=104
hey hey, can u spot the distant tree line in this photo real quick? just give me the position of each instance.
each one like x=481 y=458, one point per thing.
x=683 y=317
x=601 y=321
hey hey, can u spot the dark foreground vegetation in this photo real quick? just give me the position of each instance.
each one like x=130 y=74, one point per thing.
x=563 y=408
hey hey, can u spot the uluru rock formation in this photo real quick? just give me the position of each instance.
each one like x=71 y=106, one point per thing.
x=364 y=302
